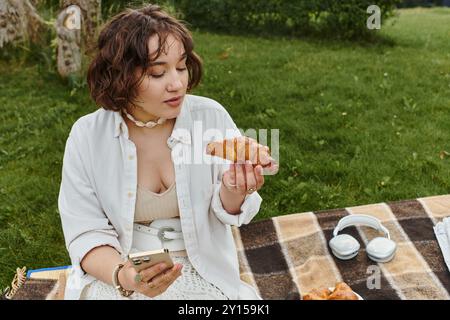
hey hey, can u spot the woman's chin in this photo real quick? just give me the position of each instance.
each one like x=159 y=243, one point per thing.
x=173 y=115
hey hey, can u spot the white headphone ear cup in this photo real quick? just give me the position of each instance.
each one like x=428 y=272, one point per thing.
x=381 y=249
x=344 y=246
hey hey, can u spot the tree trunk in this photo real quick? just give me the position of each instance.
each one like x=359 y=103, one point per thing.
x=68 y=56
x=90 y=20
x=76 y=29
x=19 y=22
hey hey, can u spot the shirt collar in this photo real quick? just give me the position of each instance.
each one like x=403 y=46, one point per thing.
x=181 y=130
x=117 y=123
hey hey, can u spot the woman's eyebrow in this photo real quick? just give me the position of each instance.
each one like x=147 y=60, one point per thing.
x=157 y=63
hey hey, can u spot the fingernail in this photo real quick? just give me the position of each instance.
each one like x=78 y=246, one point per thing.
x=162 y=267
x=138 y=278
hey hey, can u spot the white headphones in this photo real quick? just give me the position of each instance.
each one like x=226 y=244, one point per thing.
x=345 y=247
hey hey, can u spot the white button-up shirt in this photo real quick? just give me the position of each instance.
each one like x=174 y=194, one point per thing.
x=98 y=192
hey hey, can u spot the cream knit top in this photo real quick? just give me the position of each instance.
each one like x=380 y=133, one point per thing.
x=151 y=206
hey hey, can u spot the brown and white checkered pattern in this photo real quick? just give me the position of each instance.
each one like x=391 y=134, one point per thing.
x=286 y=256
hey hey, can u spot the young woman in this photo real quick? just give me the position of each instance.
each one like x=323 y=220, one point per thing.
x=129 y=181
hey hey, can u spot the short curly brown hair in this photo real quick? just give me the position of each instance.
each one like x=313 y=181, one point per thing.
x=122 y=47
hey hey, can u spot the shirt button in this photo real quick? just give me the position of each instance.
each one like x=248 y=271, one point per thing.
x=130 y=194
x=130 y=157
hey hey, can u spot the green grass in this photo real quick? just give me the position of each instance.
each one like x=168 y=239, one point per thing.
x=359 y=123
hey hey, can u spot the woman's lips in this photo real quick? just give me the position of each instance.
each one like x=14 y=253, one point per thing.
x=174 y=102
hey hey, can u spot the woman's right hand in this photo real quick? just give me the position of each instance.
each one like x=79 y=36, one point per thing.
x=153 y=281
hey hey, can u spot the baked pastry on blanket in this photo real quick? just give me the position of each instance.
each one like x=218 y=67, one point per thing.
x=317 y=294
x=341 y=292
x=241 y=149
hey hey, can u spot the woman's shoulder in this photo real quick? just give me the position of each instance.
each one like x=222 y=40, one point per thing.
x=95 y=122
x=96 y=126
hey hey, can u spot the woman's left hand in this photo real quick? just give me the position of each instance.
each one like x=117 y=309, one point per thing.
x=242 y=179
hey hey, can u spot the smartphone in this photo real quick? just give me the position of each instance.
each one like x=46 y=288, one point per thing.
x=146 y=259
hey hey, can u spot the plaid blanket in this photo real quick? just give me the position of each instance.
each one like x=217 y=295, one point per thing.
x=286 y=256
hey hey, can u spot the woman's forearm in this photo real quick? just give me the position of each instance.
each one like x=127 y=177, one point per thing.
x=231 y=202
x=100 y=263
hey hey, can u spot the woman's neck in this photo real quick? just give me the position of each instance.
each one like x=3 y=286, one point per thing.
x=141 y=115
x=159 y=130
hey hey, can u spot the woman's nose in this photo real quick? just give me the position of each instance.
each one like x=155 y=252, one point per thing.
x=175 y=83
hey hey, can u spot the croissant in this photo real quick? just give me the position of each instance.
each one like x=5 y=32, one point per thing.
x=342 y=295
x=317 y=294
x=342 y=291
x=343 y=286
x=239 y=150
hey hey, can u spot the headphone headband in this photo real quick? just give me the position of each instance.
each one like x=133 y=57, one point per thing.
x=360 y=219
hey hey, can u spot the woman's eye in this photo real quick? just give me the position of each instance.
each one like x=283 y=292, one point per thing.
x=162 y=74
